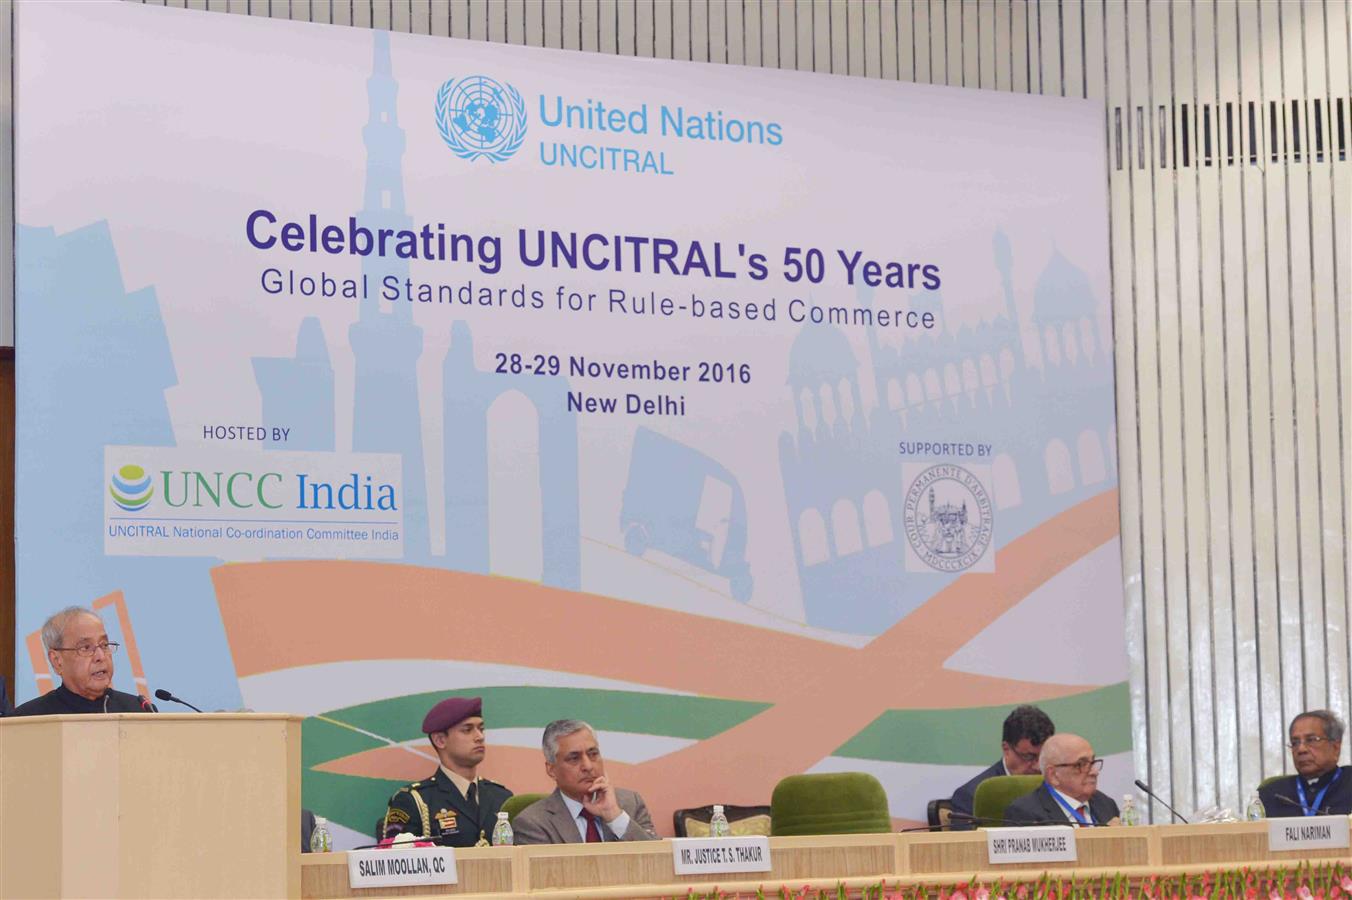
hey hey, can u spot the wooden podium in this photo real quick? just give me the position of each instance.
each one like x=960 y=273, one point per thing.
x=169 y=805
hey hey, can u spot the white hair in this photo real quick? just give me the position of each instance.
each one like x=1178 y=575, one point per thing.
x=54 y=629
x=561 y=728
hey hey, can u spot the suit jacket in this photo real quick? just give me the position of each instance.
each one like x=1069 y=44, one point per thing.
x=1337 y=801
x=1041 y=808
x=64 y=701
x=548 y=821
x=964 y=798
x=307 y=829
x=434 y=807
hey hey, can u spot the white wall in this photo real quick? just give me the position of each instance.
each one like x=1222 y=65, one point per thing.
x=1232 y=277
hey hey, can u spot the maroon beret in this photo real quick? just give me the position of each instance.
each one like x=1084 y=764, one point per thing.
x=451 y=712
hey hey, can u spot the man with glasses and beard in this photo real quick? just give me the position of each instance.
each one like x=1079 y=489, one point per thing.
x=82 y=657
x=1069 y=793
x=1025 y=730
x=1320 y=786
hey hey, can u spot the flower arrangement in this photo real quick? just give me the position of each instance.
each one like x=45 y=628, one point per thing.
x=1306 y=881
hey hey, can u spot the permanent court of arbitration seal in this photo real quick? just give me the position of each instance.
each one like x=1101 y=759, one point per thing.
x=948 y=518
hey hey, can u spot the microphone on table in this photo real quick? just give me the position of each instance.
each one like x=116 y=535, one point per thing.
x=146 y=705
x=1286 y=799
x=437 y=840
x=1145 y=787
x=162 y=694
x=1000 y=823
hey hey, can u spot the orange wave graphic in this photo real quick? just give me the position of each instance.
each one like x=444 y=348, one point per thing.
x=821 y=693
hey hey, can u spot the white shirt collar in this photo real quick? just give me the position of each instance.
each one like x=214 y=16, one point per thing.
x=461 y=782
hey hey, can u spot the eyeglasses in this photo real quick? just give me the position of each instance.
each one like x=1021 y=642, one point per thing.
x=108 y=647
x=1082 y=766
x=1029 y=758
x=1312 y=742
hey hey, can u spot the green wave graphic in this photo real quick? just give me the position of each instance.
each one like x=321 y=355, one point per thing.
x=400 y=718
x=972 y=736
x=356 y=802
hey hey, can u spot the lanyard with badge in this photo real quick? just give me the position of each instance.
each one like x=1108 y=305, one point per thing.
x=1305 y=807
x=1070 y=810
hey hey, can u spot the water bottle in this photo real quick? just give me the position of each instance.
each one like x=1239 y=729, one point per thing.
x=502 y=831
x=1129 y=813
x=718 y=823
x=320 y=839
x=1254 y=811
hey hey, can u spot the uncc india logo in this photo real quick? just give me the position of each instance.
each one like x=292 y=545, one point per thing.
x=477 y=117
x=131 y=488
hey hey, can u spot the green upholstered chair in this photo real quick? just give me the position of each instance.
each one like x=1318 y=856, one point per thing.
x=994 y=795
x=1271 y=778
x=829 y=803
x=517 y=802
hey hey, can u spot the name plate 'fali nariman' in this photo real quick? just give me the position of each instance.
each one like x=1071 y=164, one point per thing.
x=1308 y=833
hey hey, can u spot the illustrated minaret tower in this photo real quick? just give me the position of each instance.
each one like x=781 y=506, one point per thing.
x=385 y=343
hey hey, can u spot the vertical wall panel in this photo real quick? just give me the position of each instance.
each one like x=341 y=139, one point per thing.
x=1231 y=259
x=7 y=205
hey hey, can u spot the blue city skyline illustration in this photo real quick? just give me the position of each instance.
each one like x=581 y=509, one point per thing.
x=107 y=384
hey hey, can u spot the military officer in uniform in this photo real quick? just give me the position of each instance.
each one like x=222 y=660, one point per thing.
x=454 y=806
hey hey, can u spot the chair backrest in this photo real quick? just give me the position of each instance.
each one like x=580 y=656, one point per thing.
x=939 y=812
x=517 y=802
x=829 y=803
x=1271 y=778
x=743 y=820
x=994 y=795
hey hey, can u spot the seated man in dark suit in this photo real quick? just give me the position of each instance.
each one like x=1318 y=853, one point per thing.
x=80 y=654
x=1069 y=795
x=1026 y=729
x=585 y=808
x=1320 y=786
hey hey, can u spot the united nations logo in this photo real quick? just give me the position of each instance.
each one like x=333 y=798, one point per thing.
x=948 y=519
x=479 y=117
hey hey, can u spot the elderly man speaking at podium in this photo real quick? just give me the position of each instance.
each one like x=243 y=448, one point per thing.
x=1069 y=793
x=82 y=656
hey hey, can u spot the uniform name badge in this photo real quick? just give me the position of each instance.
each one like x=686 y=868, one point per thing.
x=446 y=820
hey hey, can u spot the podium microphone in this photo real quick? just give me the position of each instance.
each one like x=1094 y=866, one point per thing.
x=162 y=694
x=1145 y=787
x=146 y=705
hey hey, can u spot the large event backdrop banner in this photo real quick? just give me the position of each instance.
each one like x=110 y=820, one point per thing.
x=762 y=419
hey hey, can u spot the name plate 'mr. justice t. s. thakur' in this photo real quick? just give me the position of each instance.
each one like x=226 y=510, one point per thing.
x=1308 y=833
x=1043 y=843
x=696 y=856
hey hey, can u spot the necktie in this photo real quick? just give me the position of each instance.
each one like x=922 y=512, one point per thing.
x=593 y=833
x=1083 y=810
x=472 y=797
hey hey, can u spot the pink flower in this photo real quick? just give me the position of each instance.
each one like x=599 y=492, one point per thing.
x=1303 y=893
x=981 y=894
x=1346 y=883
